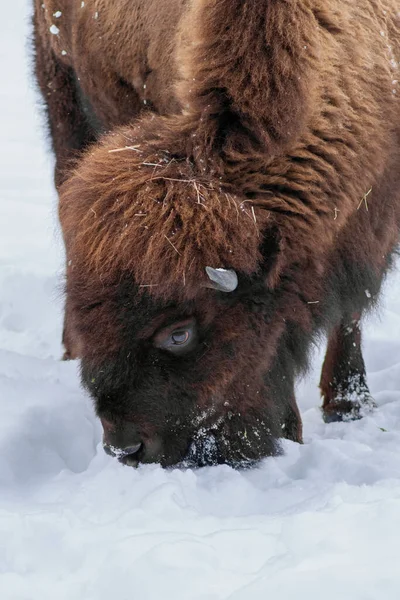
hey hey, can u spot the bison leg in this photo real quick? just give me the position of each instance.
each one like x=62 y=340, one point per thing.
x=293 y=426
x=343 y=383
x=68 y=126
x=69 y=129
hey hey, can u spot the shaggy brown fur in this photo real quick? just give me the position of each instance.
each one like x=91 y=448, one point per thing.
x=272 y=148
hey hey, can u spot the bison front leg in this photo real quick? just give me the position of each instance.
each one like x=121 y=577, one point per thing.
x=343 y=383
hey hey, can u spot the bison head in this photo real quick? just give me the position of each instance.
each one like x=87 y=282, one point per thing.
x=183 y=348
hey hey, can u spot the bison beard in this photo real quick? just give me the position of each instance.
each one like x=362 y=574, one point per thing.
x=271 y=150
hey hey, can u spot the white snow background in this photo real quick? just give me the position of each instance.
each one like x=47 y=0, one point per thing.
x=323 y=521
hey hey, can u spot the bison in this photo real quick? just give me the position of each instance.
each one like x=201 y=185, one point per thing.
x=229 y=190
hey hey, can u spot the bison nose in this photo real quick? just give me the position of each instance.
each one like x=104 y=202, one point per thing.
x=122 y=452
x=130 y=449
x=121 y=440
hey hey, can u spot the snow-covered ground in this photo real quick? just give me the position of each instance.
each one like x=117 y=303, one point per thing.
x=321 y=521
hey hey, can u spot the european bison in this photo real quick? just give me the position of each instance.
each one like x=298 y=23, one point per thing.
x=229 y=183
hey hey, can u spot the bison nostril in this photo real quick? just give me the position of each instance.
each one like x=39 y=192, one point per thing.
x=122 y=453
x=130 y=449
x=121 y=439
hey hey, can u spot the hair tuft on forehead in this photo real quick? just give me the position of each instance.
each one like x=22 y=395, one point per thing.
x=133 y=207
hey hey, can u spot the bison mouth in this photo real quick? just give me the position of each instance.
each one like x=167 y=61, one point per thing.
x=200 y=451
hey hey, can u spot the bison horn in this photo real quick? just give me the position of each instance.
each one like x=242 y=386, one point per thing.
x=223 y=280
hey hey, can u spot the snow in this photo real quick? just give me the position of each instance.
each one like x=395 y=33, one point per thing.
x=321 y=521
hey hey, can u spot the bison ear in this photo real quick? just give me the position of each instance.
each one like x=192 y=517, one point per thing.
x=223 y=280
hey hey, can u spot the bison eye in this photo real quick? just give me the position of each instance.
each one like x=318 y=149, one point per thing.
x=178 y=338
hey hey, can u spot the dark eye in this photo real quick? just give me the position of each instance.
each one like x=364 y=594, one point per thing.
x=180 y=337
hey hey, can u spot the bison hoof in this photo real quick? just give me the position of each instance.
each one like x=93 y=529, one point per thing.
x=348 y=410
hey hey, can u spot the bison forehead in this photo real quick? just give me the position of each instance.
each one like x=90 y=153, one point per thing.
x=131 y=209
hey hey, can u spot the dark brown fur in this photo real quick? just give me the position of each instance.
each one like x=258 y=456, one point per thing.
x=272 y=148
